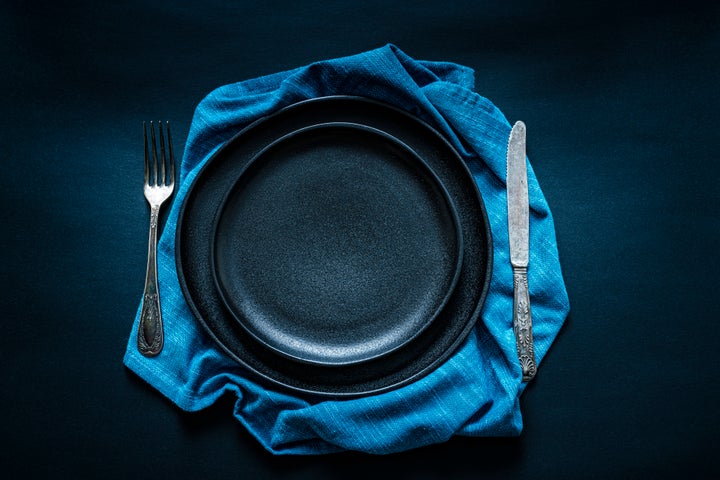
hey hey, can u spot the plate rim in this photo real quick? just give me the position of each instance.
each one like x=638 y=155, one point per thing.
x=298 y=387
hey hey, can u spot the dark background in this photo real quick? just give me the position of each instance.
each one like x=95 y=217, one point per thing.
x=620 y=102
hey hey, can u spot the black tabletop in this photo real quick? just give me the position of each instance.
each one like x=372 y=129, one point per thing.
x=619 y=99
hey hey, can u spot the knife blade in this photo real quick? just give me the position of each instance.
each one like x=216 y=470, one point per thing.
x=519 y=234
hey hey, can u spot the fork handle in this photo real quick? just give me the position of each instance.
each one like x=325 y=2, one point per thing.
x=150 y=331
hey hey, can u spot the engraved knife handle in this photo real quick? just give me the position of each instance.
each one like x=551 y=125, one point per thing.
x=150 y=331
x=522 y=323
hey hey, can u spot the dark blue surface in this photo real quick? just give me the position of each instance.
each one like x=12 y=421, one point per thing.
x=619 y=101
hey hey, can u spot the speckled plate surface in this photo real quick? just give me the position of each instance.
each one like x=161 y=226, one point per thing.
x=416 y=354
x=337 y=245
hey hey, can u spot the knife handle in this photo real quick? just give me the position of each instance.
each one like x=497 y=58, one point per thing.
x=522 y=323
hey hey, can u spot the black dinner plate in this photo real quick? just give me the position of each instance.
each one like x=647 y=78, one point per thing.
x=413 y=359
x=336 y=245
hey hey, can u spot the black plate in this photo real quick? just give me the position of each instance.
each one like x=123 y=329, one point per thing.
x=418 y=357
x=337 y=245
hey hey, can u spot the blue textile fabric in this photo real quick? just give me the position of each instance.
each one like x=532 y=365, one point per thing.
x=477 y=391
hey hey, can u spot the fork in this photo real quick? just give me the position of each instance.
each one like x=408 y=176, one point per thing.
x=158 y=188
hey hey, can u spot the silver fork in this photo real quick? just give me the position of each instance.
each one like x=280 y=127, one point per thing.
x=158 y=188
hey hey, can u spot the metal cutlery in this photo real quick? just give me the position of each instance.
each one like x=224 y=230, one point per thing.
x=519 y=233
x=159 y=185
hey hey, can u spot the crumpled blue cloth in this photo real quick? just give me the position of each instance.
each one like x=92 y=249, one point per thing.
x=477 y=391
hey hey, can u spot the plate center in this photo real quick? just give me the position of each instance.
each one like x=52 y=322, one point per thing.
x=336 y=245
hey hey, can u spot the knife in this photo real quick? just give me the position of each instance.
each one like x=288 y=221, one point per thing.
x=519 y=233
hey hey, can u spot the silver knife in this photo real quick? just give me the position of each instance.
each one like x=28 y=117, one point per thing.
x=519 y=232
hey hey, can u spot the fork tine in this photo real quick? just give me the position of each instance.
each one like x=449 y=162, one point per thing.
x=147 y=167
x=172 y=157
x=154 y=153
x=162 y=154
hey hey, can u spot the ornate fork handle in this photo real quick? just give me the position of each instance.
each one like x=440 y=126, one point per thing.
x=522 y=323
x=150 y=331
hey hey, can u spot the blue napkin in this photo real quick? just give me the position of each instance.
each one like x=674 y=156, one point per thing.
x=477 y=391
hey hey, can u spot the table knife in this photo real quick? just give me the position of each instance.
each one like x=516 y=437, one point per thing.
x=519 y=233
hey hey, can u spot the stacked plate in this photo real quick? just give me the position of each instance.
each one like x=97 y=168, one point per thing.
x=338 y=247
